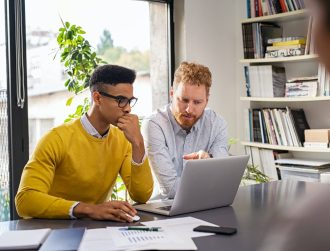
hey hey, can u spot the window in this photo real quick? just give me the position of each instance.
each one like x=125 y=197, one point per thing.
x=125 y=32
x=4 y=155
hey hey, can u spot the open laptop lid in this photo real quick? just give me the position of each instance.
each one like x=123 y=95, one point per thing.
x=209 y=183
x=205 y=184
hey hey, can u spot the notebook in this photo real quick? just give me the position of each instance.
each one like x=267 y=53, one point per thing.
x=23 y=239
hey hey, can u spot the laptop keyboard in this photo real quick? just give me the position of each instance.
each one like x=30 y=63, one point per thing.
x=166 y=208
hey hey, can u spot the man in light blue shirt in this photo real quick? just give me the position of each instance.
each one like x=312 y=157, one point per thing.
x=184 y=129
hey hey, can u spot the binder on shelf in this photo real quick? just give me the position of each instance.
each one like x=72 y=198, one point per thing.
x=300 y=122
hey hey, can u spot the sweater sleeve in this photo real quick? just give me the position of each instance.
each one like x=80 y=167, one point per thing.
x=137 y=178
x=33 y=199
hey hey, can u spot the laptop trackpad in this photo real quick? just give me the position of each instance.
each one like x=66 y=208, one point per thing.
x=160 y=204
x=166 y=208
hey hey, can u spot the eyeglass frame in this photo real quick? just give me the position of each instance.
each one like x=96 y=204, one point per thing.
x=120 y=99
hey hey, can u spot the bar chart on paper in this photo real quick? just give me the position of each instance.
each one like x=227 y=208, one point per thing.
x=123 y=237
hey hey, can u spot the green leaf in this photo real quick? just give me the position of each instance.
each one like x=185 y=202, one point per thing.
x=67 y=24
x=69 y=101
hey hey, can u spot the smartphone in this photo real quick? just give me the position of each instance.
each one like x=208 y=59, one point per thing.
x=216 y=230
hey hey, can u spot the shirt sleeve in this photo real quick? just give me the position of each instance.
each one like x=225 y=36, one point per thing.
x=71 y=210
x=160 y=158
x=137 y=177
x=219 y=147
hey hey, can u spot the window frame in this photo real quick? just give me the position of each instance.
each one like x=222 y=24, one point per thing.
x=18 y=133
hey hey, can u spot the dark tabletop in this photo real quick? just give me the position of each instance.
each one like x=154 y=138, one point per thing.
x=272 y=216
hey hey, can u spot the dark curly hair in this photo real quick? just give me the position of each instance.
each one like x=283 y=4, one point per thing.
x=111 y=75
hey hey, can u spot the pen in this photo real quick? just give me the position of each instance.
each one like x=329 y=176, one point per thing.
x=154 y=229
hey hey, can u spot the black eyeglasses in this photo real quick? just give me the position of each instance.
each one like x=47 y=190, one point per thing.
x=121 y=100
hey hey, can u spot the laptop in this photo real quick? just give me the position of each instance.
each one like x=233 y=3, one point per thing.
x=205 y=184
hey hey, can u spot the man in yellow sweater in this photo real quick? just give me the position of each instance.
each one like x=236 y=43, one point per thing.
x=75 y=165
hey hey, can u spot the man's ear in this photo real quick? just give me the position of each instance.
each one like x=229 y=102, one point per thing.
x=96 y=97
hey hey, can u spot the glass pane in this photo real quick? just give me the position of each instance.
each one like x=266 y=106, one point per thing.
x=4 y=155
x=125 y=32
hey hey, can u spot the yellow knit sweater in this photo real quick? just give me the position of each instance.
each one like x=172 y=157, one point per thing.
x=69 y=165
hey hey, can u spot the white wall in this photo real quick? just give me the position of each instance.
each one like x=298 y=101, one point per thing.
x=209 y=32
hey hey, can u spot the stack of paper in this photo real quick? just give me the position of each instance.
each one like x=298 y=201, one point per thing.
x=23 y=239
x=304 y=163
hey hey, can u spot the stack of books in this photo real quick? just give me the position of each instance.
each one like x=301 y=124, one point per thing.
x=301 y=87
x=285 y=47
x=303 y=170
x=317 y=138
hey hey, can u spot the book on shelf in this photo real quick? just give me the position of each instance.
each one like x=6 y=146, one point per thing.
x=285 y=53
x=324 y=81
x=257 y=132
x=310 y=46
x=258 y=8
x=302 y=79
x=248 y=125
x=275 y=48
x=301 y=41
x=301 y=89
x=300 y=123
x=271 y=41
x=265 y=81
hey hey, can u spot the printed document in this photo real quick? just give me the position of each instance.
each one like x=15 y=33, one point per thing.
x=119 y=238
x=183 y=225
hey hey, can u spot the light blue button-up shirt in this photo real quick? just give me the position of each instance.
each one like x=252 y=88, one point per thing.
x=166 y=143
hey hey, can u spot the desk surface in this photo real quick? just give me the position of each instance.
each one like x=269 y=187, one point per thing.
x=272 y=216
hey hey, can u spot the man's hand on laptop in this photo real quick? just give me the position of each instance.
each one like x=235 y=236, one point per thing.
x=197 y=155
x=120 y=211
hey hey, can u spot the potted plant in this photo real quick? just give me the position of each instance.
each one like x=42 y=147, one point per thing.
x=252 y=174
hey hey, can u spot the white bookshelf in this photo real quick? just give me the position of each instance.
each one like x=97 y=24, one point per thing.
x=286 y=148
x=279 y=60
x=280 y=100
x=293 y=24
x=282 y=17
